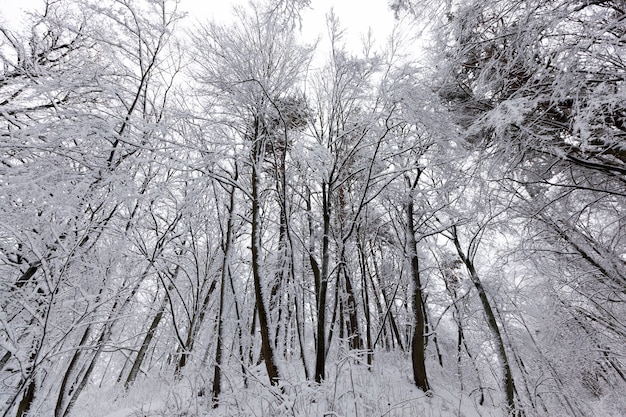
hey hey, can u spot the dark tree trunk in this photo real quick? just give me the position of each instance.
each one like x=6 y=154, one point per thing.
x=27 y=399
x=266 y=345
x=320 y=349
x=492 y=323
x=383 y=313
x=418 y=351
x=366 y=303
x=226 y=248
x=194 y=327
x=143 y=350
x=354 y=336
x=59 y=408
x=145 y=345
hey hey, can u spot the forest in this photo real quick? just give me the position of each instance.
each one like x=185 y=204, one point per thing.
x=206 y=218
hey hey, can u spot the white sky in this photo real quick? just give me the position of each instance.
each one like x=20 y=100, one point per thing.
x=357 y=16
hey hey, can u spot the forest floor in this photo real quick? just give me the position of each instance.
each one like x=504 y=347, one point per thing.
x=352 y=389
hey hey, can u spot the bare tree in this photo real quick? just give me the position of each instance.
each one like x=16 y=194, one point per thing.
x=253 y=65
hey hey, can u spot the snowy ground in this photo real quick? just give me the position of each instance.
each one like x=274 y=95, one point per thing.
x=351 y=390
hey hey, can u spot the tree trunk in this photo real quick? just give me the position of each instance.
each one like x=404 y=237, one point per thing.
x=492 y=323
x=266 y=345
x=58 y=410
x=27 y=399
x=145 y=345
x=366 y=303
x=385 y=312
x=418 y=351
x=134 y=370
x=194 y=327
x=320 y=349
x=217 y=371
x=354 y=336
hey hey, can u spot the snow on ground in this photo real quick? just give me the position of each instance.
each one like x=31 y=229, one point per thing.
x=351 y=390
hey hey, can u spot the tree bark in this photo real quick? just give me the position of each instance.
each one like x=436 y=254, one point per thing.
x=418 y=349
x=27 y=399
x=366 y=303
x=145 y=345
x=492 y=323
x=217 y=371
x=320 y=349
x=266 y=345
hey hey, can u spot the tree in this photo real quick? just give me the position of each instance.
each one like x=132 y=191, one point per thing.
x=73 y=123
x=252 y=66
x=419 y=334
x=468 y=261
x=346 y=168
x=539 y=94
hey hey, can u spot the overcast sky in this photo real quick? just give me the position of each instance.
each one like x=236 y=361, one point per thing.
x=356 y=15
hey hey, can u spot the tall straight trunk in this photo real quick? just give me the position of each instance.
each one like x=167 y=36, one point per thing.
x=320 y=349
x=266 y=345
x=27 y=399
x=217 y=371
x=418 y=343
x=250 y=346
x=366 y=302
x=300 y=334
x=284 y=271
x=354 y=336
x=145 y=345
x=242 y=353
x=333 y=319
x=199 y=315
x=298 y=309
x=143 y=350
x=315 y=269
x=348 y=311
x=385 y=312
x=72 y=391
x=59 y=408
x=492 y=323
